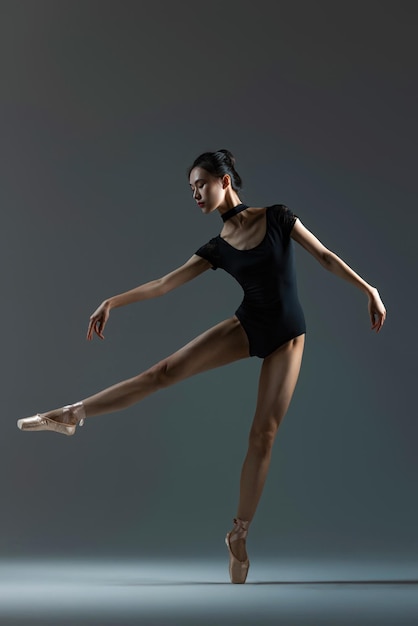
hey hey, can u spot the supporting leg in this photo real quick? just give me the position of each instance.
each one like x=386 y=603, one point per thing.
x=278 y=378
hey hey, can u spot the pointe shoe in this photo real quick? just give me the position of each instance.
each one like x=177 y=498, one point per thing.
x=41 y=422
x=238 y=570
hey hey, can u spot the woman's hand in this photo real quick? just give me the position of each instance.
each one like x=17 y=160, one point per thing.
x=377 y=310
x=98 y=320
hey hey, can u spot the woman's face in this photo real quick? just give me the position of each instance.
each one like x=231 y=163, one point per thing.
x=208 y=191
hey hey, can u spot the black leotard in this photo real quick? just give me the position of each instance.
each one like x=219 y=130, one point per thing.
x=270 y=312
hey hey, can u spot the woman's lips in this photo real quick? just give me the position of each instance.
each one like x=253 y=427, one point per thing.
x=201 y=204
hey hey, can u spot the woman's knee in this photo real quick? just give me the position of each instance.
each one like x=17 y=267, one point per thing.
x=261 y=440
x=162 y=374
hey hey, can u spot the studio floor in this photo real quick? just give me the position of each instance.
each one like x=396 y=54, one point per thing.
x=183 y=593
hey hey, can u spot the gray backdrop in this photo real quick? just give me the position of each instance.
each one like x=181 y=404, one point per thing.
x=104 y=105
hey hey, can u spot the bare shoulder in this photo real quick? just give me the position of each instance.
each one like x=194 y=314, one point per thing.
x=256 y=210
x=256 y=213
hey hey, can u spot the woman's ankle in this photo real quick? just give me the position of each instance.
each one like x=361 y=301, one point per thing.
x=68 y=414
x=240 y=529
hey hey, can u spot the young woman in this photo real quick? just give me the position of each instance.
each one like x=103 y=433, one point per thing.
x=255 y=247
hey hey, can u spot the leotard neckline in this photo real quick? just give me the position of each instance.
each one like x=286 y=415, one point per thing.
x=255 y=247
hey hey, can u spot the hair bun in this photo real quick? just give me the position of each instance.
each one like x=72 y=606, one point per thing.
x=228 y=156
x=218 y=164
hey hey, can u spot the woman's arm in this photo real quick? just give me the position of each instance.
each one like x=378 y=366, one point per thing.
x=337 y=266
x=193 y=267
x=155 y=288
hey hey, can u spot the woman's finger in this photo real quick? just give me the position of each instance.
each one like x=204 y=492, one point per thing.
x=92 y=324
x=380 y=322
x=89 y=329
x=98 y=329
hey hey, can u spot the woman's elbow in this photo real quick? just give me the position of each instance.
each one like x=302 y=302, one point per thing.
x=326 y=259
x=167 y=283
x=159 y=287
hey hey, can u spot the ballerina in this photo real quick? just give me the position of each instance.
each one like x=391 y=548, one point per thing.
x=255 y=246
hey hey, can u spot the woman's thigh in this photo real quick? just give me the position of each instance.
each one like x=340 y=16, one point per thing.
x=278 y=378
x=222 y=344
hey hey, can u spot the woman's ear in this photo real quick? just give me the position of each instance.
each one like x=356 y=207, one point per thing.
x=226 y=180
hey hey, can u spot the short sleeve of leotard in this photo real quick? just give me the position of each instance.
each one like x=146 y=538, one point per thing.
x=210 y=252
x=285 y=218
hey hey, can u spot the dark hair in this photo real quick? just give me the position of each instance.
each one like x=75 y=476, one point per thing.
x=218 y=164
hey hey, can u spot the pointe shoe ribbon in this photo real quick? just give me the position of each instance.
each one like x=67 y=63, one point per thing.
x=238 y=570
x=41 y=422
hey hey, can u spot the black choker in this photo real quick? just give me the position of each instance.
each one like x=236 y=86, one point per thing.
x=234 y=211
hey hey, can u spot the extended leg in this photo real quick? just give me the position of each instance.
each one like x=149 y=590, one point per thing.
x=222 y=344
x=279 y=374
